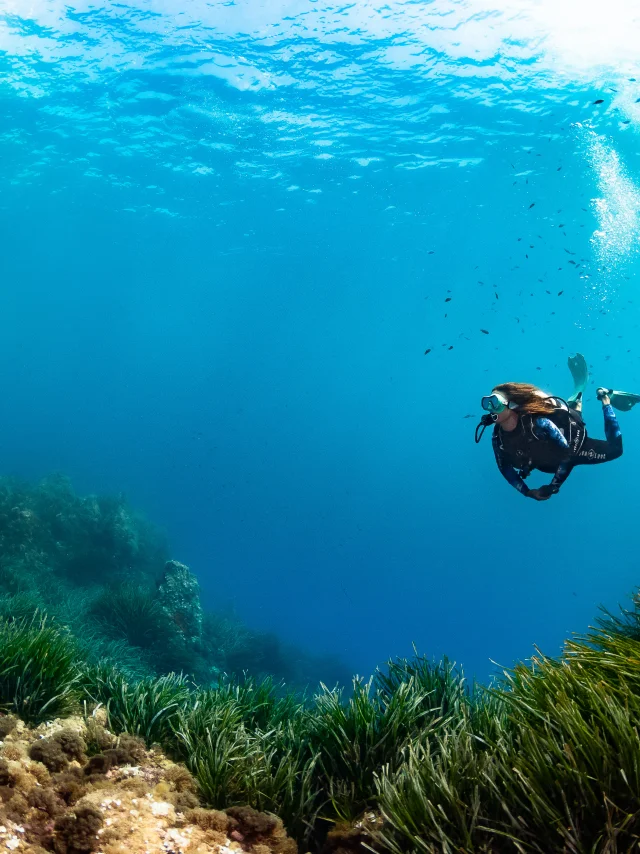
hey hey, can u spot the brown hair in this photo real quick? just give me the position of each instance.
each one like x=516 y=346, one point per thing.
x=530 y=399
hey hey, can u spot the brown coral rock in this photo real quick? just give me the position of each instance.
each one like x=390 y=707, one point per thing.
x=50 y=753
x=76 y=833
x=45 y=801
x=125 y=800
x=6 y=777
x=353 y=838
x=71 y=744
x=7 y=725
x=257 y=831
x=208 y=819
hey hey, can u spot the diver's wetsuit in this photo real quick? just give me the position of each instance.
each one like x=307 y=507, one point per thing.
x=593 y=451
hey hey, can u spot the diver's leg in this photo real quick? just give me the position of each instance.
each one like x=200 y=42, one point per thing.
x=612 y=431
x=597 y=451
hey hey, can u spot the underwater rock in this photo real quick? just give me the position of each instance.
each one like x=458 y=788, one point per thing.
x=150 y=807
x=353 y=837
x=7 y=724
x=179 y=596
x=94 y=563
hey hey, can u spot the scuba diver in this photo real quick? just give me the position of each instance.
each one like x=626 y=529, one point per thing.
x=533 y=430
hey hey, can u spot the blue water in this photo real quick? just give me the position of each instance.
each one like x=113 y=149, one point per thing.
x=229 y=231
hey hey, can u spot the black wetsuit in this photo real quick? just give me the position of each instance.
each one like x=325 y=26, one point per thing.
x=556 y=448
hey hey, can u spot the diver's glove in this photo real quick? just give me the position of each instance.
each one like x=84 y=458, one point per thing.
x=535 y=494
x=543 y=492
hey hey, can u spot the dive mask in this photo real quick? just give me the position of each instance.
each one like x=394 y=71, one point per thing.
x=496 y=403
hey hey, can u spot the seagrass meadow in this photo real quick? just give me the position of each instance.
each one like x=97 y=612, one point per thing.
x=414 y=759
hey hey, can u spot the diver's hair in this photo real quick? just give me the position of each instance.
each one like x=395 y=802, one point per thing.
x=530 y=398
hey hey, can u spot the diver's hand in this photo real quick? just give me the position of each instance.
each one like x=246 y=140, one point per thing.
x=539 y=495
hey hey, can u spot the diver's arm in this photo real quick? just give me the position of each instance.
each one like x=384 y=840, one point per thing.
x=506 y=470
x=562 y=473
x=548 y=429
x=551 y=432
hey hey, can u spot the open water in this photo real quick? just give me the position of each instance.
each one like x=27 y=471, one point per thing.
x=230 y=231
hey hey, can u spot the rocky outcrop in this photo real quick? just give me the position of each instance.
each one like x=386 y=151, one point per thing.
x=179 y=597
x=58 y=794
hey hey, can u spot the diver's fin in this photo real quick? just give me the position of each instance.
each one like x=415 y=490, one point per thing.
x=623 y=401
x=580 y=373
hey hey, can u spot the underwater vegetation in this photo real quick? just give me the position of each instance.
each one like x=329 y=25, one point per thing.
x=40 y=668
x=413 y=759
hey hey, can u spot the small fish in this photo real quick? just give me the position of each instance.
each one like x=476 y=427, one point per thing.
x=451 y=347
x=497 y=297
x=431 y=252
x=548 y=292
x=559 y=168
x=427 y=351
x=448 y=299
x=560 y=293
x=468 y=416
x=599 y=101
x=532 y=205
x=486 y=331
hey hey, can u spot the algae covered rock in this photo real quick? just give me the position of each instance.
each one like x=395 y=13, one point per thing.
x=179 y=597
x=150 y=807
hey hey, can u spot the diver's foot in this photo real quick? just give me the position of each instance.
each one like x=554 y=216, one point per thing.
x=575 y=401
x=603 y=395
